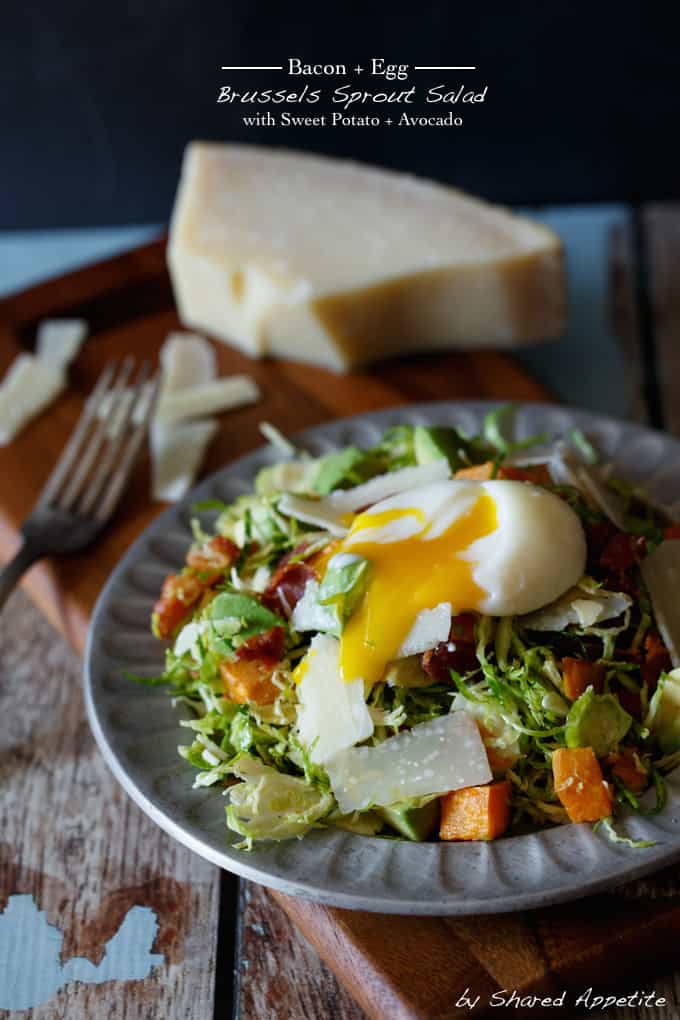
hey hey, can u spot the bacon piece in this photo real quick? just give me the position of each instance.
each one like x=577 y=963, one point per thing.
x=598 y=536
x=657 y=660
x=457 y=653
x=212 y=558
x=630 y=701
x=267 y=646
x=287 y=586
x=622 y=552
x=179 y=593
x=539 y=474
x=463 y=629
x=672 y=532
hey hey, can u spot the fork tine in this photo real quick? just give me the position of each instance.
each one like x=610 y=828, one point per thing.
x=73 y=447
x=121 y=422
x=86 y=463
x=127 y=462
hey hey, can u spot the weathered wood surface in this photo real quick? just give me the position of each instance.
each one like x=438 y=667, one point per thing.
x=73 y=841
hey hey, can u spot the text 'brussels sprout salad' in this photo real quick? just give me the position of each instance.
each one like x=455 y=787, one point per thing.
x=443 y=637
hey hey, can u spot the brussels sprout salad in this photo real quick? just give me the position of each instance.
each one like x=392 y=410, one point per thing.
x=443 y=637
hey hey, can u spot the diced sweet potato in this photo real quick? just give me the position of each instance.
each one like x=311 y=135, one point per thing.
x=267 y=646
x=179 y=594
x=476 y=812
x=629 y=769
x=476 y=472
x=579 y=674
x=579 y=784
x=249 y=680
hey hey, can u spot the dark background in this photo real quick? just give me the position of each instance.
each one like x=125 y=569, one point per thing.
x=98 y=100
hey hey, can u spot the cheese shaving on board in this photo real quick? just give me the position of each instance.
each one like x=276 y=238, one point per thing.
x=29 y=387
x=34 y=381
x=178 y=449
x=210 y=397
x=187 y=359
x=177 y=452
x=59 y=340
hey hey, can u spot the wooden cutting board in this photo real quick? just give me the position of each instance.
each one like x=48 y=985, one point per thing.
x=396 y=968
x=128 y=304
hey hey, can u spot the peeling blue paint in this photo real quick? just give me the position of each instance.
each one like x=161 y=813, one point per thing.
x=31 y=971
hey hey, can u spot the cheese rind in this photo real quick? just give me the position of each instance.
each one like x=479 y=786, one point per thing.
x=332 y=262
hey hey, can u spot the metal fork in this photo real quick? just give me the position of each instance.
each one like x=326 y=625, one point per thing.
x=85 y=487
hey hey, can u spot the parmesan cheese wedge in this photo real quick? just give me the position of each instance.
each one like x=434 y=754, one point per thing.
x=339 y=264
x=432 y=758
x=332 y=715
x=31 y=384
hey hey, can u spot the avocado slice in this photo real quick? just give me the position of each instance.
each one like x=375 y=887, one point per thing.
x=407 y=672
x=597 y=721
x=433 y=443
x=334 y=468
x=287 y=476
x=414 y=819
x=663 y=718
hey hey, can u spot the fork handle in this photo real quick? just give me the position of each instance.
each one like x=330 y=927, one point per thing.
x=12 y=572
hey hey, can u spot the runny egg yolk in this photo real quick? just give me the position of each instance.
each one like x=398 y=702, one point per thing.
x=406 y=577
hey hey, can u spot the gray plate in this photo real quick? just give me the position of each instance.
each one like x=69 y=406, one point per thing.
x=137 y=728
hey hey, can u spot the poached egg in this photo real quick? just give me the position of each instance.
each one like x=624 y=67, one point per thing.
x=501 y=548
